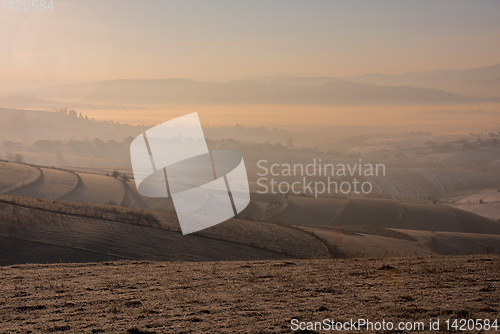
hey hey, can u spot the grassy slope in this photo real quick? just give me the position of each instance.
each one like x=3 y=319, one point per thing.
x=52 y=184
x=119 y=232
x=97 y=189
x=386 y=213
x=14 y=176
x=51 y=231
x=489 y=208
x=363 y=241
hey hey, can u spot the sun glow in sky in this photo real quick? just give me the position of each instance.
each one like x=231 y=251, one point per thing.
x=97 y=40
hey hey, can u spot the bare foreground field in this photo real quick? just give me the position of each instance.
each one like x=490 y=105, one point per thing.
x=244 y=296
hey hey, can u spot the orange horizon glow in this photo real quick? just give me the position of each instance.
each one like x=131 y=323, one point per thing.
x=304 y=118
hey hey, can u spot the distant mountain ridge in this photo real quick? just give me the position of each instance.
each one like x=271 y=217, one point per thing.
x=328 y=91
x=471 y=74
x=481 y=81
x=432 y=87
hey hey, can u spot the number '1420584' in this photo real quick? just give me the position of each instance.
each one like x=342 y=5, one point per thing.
x=27 y=5
x=471 y=324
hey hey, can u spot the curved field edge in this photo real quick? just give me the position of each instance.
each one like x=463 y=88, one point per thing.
x=77 y=184
x=13 y=175
x=35 y=176
x=52 y=183
x=96 y=188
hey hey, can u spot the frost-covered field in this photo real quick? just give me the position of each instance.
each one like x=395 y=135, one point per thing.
x=96 y=188
x=52 y=183
x=246 y=296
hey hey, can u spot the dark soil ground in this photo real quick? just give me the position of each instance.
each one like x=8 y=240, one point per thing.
x=245 y=296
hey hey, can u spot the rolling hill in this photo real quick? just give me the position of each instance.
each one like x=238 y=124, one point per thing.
x=40 y=230
x=53 y=215
x=399 y=214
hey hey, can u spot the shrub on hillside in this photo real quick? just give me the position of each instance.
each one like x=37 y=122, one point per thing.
x=125 y=178
x=15 y=157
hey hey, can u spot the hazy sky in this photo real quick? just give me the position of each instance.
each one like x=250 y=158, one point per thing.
x=98 y=39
